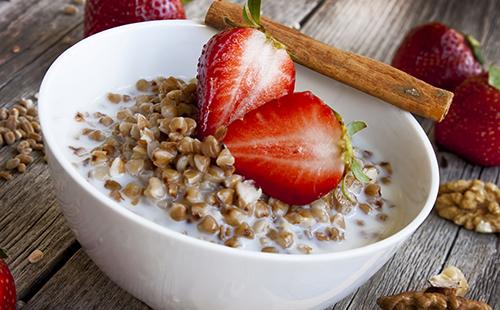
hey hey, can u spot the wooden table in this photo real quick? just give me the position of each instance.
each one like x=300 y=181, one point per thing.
x=66 y=278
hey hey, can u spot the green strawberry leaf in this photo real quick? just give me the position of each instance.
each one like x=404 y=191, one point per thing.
x=248 y=18
x=251 y=13
x=494 y=77
x=3 y=255
x=348 y=157
x=357 y=170
x=186 y=1
x=254 y=9
x=354 y=127
x=476 y=48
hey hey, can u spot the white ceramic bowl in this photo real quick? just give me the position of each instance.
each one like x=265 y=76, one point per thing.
x=166 y=269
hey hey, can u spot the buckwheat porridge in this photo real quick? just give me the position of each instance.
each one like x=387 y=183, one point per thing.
x=140 y=148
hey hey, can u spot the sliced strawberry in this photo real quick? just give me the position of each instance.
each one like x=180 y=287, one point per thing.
x=239 y=70
x=291 y=147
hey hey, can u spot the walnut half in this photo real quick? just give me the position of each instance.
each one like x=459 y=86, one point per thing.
x=435 y=298
x=473 y=204
x=451 y=277
x=446 y=293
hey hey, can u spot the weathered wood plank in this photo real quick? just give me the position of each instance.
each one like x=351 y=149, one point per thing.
x=285 y=12
x=80 y=285
x=350 y=25
x=29 y=215
x=494 y=299
x=36 y=224
x=33 y=26
x=478 y=256
x=375 y=28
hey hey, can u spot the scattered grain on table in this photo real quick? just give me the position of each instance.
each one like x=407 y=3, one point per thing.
x=19 y=130
x=70 y=9
x=16 y=49
x=35 y=256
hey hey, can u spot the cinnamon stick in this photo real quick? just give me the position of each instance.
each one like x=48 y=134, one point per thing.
x=363 y=73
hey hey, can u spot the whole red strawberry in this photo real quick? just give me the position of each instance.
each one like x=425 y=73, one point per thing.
x=295 y=148
x=239 y=70
x=439 y=55
x=472 y=127
x=7 y=286
x=104 y=14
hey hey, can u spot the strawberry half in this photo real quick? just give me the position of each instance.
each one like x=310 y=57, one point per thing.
x=7 y=286
x=239 y=70
x=472 y=127
x=439 y=55
x=292 y=147
x=104 y=14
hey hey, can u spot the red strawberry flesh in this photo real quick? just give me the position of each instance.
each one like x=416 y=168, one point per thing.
x=239 y=70
x=291 y=147
x=104 y=14
x=472 y=127
x=438 y=55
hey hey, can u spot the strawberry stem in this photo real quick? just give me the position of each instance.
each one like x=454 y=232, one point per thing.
x=494 y=77
x=357 y=170
x=345 y=192
x=3 y=255
x=229 y=22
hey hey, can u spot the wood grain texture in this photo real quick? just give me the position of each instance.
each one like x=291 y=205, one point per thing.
x=287 y=13
x=368 y=27
x=35 y=224
x=33 y=26
x=28 y=213
x=80 y=285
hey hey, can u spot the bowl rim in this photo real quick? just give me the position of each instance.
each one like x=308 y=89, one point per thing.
x=89 y=189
